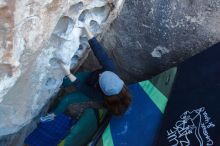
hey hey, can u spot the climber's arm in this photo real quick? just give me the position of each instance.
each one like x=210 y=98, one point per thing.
x=70 y=79
x=67 y=72
x=77 y=81
x=103 y=58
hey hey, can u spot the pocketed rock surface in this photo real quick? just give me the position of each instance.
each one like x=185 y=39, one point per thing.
x=33 y=33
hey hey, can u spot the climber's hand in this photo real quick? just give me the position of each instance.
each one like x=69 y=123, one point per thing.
x=88 y=31
x=66 y=68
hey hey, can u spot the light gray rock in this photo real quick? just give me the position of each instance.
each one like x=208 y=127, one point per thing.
x=33 y=34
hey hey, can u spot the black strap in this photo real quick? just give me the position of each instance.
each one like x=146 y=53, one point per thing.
x=100 y=130
x=76 y=110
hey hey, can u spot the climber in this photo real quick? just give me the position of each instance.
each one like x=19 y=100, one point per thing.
x=75 y=120
x=104 y=82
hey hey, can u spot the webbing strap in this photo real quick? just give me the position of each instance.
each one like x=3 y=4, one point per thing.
x=159 y=99
x=76 y=110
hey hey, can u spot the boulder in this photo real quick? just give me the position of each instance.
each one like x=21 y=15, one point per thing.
x=150 y=36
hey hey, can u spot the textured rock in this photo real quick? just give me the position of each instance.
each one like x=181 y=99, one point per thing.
x=150 y=36
x=32 y=35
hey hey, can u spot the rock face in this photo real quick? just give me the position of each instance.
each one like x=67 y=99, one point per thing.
x=150 y=36
x=32 y=35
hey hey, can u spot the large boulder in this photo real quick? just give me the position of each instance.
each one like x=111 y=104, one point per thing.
x=33 y=33
x=151 y=36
